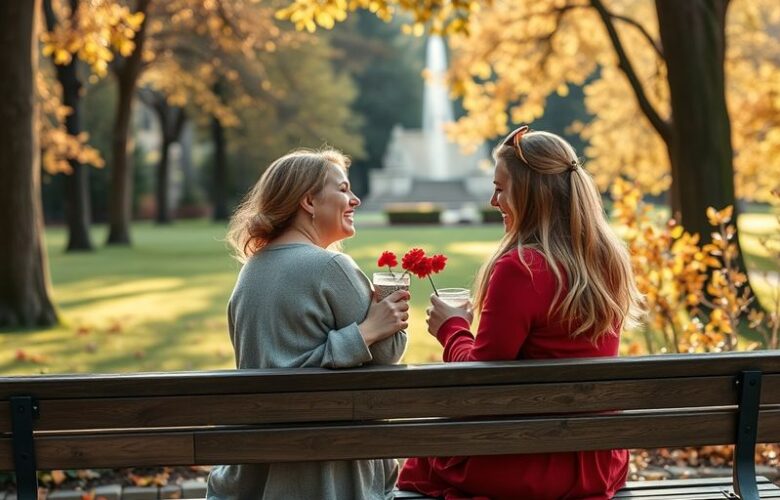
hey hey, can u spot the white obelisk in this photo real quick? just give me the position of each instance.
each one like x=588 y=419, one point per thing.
x=437 y=109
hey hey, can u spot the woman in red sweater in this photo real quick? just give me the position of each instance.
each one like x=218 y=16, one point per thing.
x=559 y=286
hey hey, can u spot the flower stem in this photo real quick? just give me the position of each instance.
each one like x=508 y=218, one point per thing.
x=434 y=286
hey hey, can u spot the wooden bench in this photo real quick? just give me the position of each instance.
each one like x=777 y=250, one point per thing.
x=219 y=417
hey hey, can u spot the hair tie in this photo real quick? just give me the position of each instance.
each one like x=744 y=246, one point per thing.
x=574 y=166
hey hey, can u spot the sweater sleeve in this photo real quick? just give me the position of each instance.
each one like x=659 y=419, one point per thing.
x=512 y=303
x=347 y=296
x=390 y=350
x=387 y=351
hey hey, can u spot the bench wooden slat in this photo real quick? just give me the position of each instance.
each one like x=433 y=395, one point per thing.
x=556 y=397
x=438 y=375
x=677 y=483
x=693 y=494
x=391 y=439
x=189 y=411
x=249 y=409
x=488 y=437
x=110 y=450
x=659 y=490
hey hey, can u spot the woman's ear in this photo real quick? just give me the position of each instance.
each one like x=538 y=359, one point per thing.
x=307 y=204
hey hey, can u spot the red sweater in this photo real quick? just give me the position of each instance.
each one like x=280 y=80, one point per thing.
x=514 y=324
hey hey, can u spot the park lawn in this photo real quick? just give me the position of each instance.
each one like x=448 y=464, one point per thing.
x=160 y=305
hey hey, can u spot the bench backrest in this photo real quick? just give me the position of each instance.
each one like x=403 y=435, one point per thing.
x=392 y=411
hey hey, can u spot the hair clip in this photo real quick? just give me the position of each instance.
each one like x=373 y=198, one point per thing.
x=574 y=166
x=514 y=138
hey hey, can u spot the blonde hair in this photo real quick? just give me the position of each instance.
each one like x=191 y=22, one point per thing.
x=270 y=207
x=556 y=209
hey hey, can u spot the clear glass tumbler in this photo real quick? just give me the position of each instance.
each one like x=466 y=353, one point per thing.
x=387 y=283
x=455 y=297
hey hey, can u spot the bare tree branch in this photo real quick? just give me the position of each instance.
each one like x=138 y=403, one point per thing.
x=642 y=30
x=659 y=124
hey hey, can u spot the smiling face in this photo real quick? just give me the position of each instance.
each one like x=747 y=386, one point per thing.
x=501 y=189
x=334 y=208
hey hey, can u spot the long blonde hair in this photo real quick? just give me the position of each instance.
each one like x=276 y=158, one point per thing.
x=270 y=207
x=556 y=209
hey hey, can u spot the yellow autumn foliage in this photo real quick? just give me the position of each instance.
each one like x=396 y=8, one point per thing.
x=509 y=56
x=57 y=145
x=695 y=295
x=99 y=28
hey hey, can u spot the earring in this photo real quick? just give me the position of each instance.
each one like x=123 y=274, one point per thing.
x=312 y=216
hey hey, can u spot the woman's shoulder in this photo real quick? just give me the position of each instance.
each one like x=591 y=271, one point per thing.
x=528 y=261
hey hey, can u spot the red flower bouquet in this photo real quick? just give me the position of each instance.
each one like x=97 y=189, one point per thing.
x=416 y=262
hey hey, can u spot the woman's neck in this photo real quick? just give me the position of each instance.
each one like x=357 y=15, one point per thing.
x=296 y=235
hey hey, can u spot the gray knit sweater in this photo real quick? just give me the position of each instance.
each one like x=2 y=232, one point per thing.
x=298 y=305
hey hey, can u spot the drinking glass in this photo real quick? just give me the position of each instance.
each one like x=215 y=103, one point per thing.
x=455 y=297
x=387 y=283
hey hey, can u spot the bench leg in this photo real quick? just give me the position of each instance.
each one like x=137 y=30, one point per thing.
x=23 y=411
x=749 y=390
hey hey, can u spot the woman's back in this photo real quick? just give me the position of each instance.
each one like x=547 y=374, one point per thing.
x=521 y=306
x=516 y=324
x=288 y=298
x=293 y=306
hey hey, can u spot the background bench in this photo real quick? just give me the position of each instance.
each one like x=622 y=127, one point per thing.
x=220 y=417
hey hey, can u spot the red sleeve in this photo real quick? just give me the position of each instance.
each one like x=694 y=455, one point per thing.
x=515 y=299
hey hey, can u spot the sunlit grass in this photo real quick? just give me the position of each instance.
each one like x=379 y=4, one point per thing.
x=160 y=305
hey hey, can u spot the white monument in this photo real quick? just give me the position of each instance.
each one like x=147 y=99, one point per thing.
x=422 y=165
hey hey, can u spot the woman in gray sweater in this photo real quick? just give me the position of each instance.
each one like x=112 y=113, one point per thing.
x=298 y=302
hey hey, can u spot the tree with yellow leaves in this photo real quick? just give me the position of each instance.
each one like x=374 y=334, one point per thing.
x=205 y=34
x=655 y=78
x=77 y=31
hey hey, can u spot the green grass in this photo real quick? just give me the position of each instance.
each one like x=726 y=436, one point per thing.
x=160 y=305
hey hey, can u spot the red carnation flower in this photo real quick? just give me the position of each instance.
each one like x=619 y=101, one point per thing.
x=411 y=258
x=415 y=262
x=422 y=268
x=438 y=262
x=387 y=259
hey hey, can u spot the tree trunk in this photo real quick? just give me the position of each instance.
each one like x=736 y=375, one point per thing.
x=24 y=284
x=120 y=206
x=77 y=208
x=694 y=40
x=220 y=172
x=163 y=203
x=171 y=120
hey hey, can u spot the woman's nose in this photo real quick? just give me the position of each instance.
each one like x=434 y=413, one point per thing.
x=494 y=200
x=355 y=201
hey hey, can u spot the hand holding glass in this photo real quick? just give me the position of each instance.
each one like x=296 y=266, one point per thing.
x=387 y=283
x=456 y=297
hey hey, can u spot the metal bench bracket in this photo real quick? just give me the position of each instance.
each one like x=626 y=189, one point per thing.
x=749 y=393
x=24 y=409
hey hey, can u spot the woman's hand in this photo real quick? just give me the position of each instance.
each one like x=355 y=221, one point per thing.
x=440 y=311
x=386 y=317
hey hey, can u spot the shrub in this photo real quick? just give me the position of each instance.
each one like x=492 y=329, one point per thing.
x=695 y=294
x=421 y=213
x=490 y=215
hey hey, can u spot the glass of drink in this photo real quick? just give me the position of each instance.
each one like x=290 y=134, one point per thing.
x=455 y=297
x=387 y=283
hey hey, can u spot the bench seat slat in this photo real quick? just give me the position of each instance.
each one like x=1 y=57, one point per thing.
x=694 y=494
x=249 y=409
x=378 y=377
x=662 y=491
x=677 y=483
